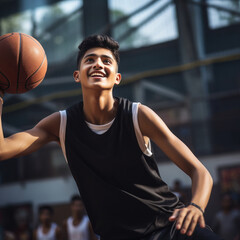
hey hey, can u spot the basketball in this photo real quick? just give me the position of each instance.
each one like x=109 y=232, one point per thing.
x=23 y=63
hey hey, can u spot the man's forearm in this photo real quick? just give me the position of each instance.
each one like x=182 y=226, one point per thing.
x=201 y=187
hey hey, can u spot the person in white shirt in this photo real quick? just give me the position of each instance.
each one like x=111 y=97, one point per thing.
x=47 y=230
x=78 y=226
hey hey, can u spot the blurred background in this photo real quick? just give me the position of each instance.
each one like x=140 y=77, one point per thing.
x=181 y=58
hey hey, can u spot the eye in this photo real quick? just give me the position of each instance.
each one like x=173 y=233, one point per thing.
x=89 y=60
x=107 y=61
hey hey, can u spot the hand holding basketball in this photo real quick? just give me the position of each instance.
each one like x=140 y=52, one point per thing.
x=23 y=63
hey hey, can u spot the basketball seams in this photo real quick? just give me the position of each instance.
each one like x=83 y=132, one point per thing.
x=27 y=74
x=34 y=41
x=11 y=34
x=8 y=84
x=30 y=84
x=27 y=80
x=19 y=61
x=4 y=83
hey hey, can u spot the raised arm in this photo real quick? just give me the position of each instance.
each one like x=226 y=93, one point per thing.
x=26 y=142
x=154 y=128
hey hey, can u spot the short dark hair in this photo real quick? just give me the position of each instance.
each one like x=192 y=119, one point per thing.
x=102 y=41
x=76 y=198
x=46 y=207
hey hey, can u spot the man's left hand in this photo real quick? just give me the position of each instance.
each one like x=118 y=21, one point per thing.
x=187 y=219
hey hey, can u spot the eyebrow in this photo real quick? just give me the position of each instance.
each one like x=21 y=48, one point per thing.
x=95 y=55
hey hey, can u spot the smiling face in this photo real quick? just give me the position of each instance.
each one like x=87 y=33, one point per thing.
x=98 y=70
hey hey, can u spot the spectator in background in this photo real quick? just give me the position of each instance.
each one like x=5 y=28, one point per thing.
x=47 y=230
x=226 y=222
x=77 y=226
x=8 y=236
x=22 y=229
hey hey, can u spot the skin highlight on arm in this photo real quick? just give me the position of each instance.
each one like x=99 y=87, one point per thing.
x=26 y=142
x=154 y=128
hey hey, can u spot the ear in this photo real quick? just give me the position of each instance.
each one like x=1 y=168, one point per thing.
x=76 y=76
x=118 y=78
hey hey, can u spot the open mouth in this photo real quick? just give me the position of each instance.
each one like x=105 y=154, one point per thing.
x=97 y=75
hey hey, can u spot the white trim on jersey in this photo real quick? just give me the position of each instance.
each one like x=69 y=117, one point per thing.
x=100 y=129
x=62 y=131
x=145 y=147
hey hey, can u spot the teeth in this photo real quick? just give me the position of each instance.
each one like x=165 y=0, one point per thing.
x=97 y=75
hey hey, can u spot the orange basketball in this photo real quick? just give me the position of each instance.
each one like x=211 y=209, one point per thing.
x=23 y=63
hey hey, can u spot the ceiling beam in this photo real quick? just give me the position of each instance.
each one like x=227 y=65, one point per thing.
x=162 y=90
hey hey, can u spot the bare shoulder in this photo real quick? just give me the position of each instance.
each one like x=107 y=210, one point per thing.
x=145 y=113
x=151 y=125
x=54 y=118
x=147 y=117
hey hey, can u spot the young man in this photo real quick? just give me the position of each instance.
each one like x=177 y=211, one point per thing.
x=106 y=141
x=78 y=227
x=47 y=229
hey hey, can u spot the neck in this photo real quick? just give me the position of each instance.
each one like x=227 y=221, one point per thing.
x=46 y=224
x=99 y=108
x=77 y=216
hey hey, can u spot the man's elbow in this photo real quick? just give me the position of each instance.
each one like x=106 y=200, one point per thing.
x=202 y=173
x=207 y=177
x=4 y=154
x=210 y=179
x=2 y=157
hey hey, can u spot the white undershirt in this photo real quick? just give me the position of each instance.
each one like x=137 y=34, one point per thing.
x=50 y=235
x=79 y=232
x=100 y=129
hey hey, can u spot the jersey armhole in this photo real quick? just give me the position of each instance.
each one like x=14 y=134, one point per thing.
x=62 y=131
x=146 y=148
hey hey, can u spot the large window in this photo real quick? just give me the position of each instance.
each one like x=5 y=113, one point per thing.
x=140 y=23
x=223 y=13
x=57 y=26
x=18 y=22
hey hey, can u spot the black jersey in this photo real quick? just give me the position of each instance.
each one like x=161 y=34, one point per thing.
x=121 y=187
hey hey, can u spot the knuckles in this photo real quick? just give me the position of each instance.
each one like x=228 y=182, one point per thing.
x=194 y=220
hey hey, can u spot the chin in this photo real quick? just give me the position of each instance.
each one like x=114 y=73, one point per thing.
x=99 y=85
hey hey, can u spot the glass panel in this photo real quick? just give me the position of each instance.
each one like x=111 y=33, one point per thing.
x=19 y=22
x=221 y=18
x=153 y=24
x=59 y=29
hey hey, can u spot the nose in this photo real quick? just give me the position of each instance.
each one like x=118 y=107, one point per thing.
x=98 y=64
